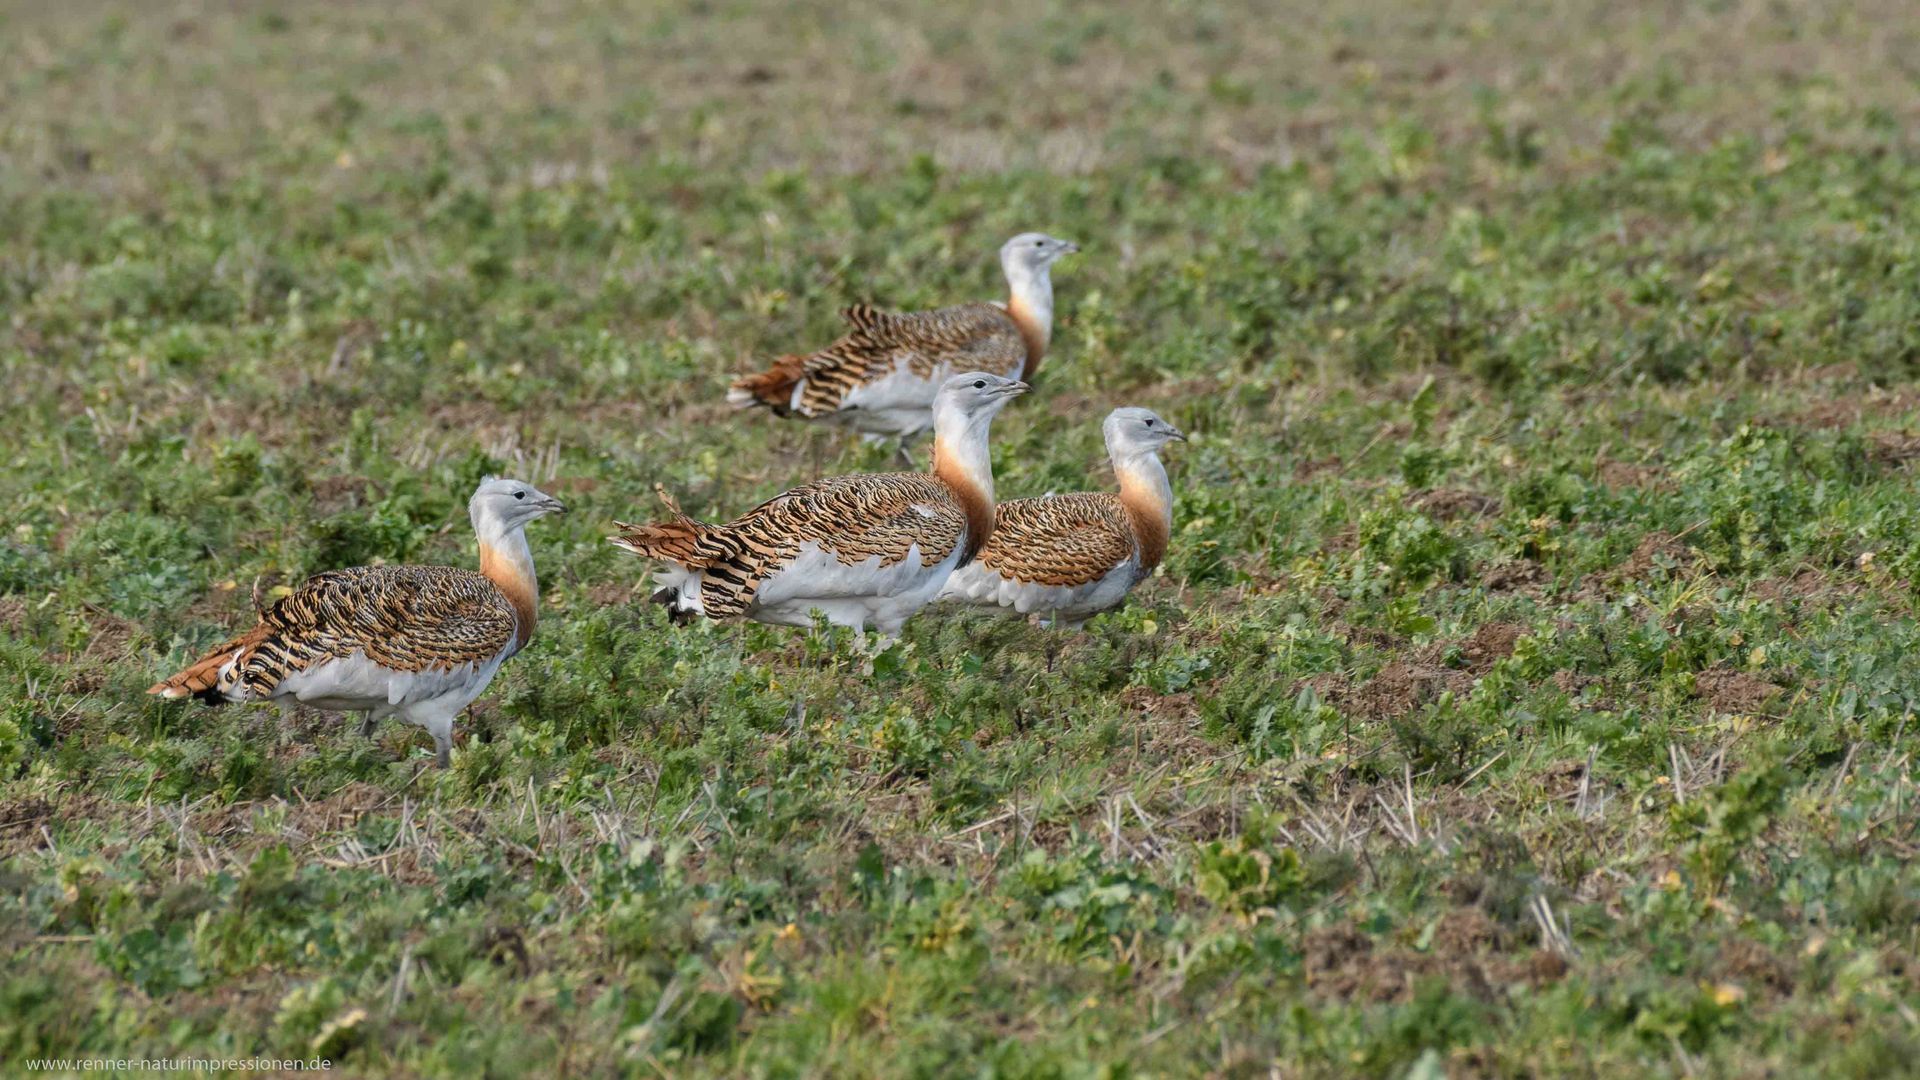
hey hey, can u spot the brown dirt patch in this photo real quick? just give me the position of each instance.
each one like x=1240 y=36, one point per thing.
x=1847 y=409
x=1403 y=686
x=332 y=494
x=1893 y=448
x=1575 y=685
x=1406 y=684
x=20 y=824
x=607 y=594
x=1317 y=467
x=1519 y=576
x=1733 y=691
x=1146 y=700
x=107 y=643
x=1754 y=967
x=1658 y=554
x=108 y=636
x=233 y=824
x=1545 y=966
x=13 y=615
x=1658 y=551
x=1450 y=503
x=1328 y=686
x=1805 y=584
x=1901 y=965
x=1627 y=475
x=1343 y=963
x=1562 y=778
x=1490 y=644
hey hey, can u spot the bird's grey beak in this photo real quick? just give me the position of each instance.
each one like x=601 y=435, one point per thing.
x=1015 y=388
x=1068 y=247
x=1176 y=434
x=553 y=506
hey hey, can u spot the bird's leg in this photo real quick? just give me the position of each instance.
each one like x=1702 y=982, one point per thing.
x=905 y=449
x=438 y=720
x=368 y=721
x=283 y=725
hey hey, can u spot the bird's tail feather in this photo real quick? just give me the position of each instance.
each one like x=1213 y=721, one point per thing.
x=772 y=388
x=676 y=540
x=210 y=677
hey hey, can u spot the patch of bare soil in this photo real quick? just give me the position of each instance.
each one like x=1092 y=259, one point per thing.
x=1405 y=685
x=1807 y=585
x=332 y=494
x=1627 y=475
x=13 y=615
x=20 y=823
x=1145 y=700
x=1562 y=778
x=109 y=637
x=1754 y=968
x=107 y=641
x=1450 y=503
x=1328 y=686
x=305 y=820
x=1574 y=685
x=22 y=819
x=1893 y=448
x=1733 y=691
x=1317 y=467
x=607 y=594
x=1846 y=409
x=1343 y=963
x=1658 y=553
x=1490 y=644
x=1519 y=576
x=1901 y=965
x=1168 y=729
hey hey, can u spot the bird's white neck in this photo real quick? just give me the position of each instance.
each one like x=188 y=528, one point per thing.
x=1030 y=303
x=963 y=462
x=1147 y=496
x=506 y=561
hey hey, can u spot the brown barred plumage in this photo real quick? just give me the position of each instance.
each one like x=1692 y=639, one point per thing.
x=772 y=387
x=1073 y=556
x=406 y=618
x=968 y=337
x=855 y=518
x=1061 y=539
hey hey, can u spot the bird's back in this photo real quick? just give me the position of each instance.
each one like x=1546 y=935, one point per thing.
x=889 y=361
x=1069 y=539
x=877 y=518
x=401 y=619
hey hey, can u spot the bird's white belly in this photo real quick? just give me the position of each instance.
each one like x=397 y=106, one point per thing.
x=857 y=595
x=358 y=683
x=976 y=584
x=900 y=403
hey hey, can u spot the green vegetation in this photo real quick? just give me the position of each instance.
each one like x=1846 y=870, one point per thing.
x=1529 y=688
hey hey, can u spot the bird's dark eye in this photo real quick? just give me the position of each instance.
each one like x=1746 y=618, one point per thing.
x=519 y=494
x=1039 y=243
x=979 y=384
x=1149 y=423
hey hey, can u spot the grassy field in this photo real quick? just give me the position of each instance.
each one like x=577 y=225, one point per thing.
x=1529 y=689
